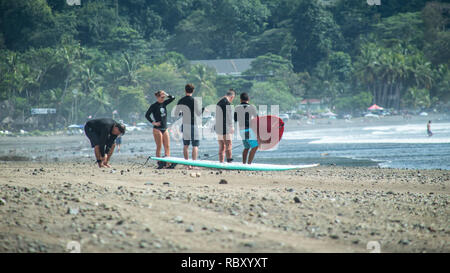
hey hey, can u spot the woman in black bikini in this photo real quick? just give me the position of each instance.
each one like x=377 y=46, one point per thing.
x=159 y=112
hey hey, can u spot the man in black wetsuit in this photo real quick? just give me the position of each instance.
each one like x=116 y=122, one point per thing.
x=191 y=111
x=102 y=134
x=224 y=126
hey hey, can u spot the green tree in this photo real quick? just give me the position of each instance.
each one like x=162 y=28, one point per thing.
x=350 y=104
x=160 y=77
x=316 y=34
x=404 y=28
x=273 y=93
x=416 y=98
x=203 y=78
x=437 y=36
x=23 y=22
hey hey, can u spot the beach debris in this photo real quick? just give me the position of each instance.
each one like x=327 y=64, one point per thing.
x=143 y=244
x=297 y=200
x=190 y=229
x=178 y=219
x=223 y=181
x=194 y=174
x=2 y=202
x=166 y=183
x=72 y=211
x=157 y=245
x=249 y=244
x=148 y=183
x=290 y=190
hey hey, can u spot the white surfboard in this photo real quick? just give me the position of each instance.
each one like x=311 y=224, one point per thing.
x=232 y=166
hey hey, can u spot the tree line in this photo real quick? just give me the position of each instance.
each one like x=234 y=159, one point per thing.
x=108 y=55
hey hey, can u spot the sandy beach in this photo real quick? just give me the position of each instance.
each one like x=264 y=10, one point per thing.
x=45 y=205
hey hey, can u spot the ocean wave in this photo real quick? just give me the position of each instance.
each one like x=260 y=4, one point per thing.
x=350 y=140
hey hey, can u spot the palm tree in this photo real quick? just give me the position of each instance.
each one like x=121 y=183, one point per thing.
x=366 y=67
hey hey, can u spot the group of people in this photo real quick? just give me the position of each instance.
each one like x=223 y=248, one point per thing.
x=102 y=133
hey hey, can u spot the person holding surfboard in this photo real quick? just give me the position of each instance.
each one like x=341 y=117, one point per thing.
x=191 y=111
x=102 y=134
x=243 y=114
x=159 y=112
x=224 y=126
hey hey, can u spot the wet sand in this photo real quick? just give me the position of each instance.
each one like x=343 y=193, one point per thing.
x=45 y=205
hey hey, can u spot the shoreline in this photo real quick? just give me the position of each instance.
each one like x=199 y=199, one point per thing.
x=138 y=145
x=322 y=209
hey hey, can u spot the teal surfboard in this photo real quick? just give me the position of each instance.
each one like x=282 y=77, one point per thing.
x=232 y=166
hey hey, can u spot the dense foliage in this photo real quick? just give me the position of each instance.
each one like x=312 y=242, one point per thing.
x=107 y=55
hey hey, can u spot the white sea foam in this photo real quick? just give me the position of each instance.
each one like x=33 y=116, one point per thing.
x=345 y=140
x=408 y=133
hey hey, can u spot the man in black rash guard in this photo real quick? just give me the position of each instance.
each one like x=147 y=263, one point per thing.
x=224 y=126
x=159 y=112
x=191 y=111
x=102 y=134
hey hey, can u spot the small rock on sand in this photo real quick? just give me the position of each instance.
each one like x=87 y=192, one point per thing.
x=72 y=211
x=190 y=229
x=223 y=181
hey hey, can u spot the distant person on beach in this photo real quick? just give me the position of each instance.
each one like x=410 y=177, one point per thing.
x=243 y=114
x=102 y=134
x=429 y=129
x=158 y=111
x=191 y=111
x=224 y=126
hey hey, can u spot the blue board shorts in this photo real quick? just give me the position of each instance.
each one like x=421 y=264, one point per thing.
x=249 y=138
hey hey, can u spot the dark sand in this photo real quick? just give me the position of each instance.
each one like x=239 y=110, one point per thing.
x=43 y=206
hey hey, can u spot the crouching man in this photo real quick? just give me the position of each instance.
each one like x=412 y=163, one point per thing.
x=102 y=134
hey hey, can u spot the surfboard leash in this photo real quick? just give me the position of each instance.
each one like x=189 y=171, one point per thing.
x=240 y=145
x=141 y=165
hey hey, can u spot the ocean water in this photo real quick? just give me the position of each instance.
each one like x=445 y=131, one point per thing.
x=393 y=146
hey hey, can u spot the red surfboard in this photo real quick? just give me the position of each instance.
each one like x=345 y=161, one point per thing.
x=269 y=129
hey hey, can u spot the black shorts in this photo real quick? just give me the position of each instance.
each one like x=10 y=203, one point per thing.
x=93 y=137
x=194 y=135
